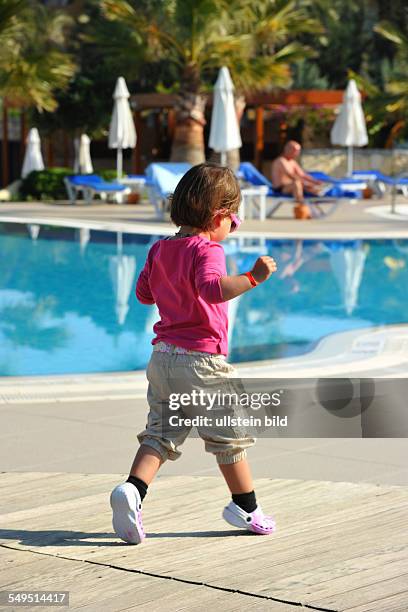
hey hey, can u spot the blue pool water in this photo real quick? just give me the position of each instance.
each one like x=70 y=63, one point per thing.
x=67 y=304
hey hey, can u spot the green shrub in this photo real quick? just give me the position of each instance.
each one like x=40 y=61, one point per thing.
x=45 y=184
x=49 y=184
x=108 y=175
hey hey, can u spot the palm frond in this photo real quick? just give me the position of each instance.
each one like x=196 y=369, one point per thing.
x=33 y=62
x=10 y=11
x=252 y=37
x=390 y=32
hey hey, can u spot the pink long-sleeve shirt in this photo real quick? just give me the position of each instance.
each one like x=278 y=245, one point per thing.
x=182 y=277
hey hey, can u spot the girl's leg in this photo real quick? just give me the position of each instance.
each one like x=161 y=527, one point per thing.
x=146 y=463
x=126 y=499
x=243 y=511
x=237 y=476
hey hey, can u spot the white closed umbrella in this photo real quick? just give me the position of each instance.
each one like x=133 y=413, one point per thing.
x=122 y=269
x=224 y=131
x=83 y=162
x=348 y=266
x=122 y=132
x=349 y=130
x=33 y=159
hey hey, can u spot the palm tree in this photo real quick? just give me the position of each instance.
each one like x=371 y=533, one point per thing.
x=397 y=86
x=10 y=10
x=196 y=37
x=387 y=105
x=33 y=62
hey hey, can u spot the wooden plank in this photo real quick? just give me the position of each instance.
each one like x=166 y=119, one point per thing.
x=299 y=535
x=23 y=134
x=24 y=564
x=89 y=584
x=259 y=136
x=114 y=590
x=66 y=149
x=367 y=594
x=42 y=517
x=395 y=603
x=49 y=148
x=333 y=538
x=321 y=567
x=323 y=584
x=137 y=151
x=299 y=97
x=287 y=98
x=13 y=479
x=153 y=100
x=56 y=489
x=330 y=564
x=202 y=598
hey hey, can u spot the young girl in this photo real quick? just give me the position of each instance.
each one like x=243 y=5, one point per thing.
x=185 y=275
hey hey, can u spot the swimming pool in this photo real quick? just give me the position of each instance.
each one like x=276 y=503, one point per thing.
x=67 y=303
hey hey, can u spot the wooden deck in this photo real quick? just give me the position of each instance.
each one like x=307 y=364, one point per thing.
x=339 y=546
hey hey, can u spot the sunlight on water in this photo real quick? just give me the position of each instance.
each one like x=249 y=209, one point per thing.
x=67 y=297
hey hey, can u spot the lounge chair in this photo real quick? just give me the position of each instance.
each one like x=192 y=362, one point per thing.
x=379 y=181
x=161 y=180
x=253 y=202
x=74 y=184
x=248 y=173
x=134 y=181
x=91 y=185
x=345 y=187
x=320 y=206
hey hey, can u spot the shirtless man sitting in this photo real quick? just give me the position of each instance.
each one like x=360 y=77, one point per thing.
x=289 y=178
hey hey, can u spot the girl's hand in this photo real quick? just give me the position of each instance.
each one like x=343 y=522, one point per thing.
x=231 y=286
x=263 y=268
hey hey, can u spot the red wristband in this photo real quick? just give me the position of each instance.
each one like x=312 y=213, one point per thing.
x=251 y=279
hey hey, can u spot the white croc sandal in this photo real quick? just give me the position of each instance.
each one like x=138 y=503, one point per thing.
x=126 y=506
x=255 y=521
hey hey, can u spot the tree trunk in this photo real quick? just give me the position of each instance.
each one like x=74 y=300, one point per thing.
x=233 y=159
x=188 y=140
x=5 y=147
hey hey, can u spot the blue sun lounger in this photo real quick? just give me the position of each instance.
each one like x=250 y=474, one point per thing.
x=344 y=187
x=91 y=185
x=161 y=181
x=380 y=181
x=321 y=206
x=248 y=173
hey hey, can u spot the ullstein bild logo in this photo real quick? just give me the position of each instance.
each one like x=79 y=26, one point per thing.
x=313 y=407
x=228 y=421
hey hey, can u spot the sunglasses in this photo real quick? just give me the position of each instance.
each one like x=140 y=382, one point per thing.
x=235 y=222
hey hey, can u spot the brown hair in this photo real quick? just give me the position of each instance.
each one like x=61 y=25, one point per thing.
x=203 y=190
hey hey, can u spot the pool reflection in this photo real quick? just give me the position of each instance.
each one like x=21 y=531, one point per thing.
x=67 y=297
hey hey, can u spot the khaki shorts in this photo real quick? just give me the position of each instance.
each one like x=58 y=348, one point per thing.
x=172 y=373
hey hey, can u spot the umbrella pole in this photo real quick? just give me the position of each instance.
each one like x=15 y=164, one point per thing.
x=77 y=167
x=350 y=161
x=119 y=164
x=223 y=158
x=394 y=186
x=393 y=198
